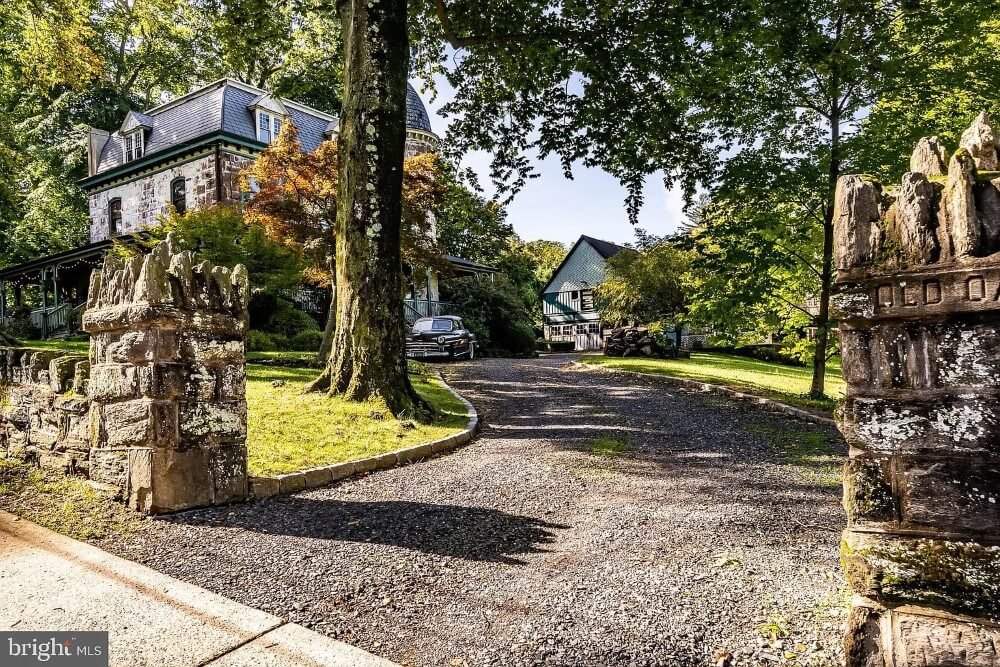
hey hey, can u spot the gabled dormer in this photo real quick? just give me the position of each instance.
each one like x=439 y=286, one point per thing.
x=133 y=133
x=269 y=117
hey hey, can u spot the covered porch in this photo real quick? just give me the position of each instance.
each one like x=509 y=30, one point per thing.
x=50 y=293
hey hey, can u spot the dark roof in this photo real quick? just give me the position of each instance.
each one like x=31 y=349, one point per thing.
x=416 y=113
x=605 y=249
x=469 y=264
x=224 y=106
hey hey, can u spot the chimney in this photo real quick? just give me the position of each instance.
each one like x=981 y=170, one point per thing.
x=96 y=140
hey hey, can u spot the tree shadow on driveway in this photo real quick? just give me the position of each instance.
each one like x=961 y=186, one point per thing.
x=472 y=533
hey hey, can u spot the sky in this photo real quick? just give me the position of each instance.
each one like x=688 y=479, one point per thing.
x=555 y=208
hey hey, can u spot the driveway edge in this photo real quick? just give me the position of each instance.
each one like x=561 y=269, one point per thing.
x=312 y=478
x=705 y=387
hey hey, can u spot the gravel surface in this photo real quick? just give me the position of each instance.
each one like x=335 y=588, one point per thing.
x=598 y=520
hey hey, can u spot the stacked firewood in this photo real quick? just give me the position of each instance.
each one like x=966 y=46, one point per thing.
x=631 y=342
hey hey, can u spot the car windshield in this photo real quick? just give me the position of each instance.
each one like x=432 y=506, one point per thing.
x=433 y=325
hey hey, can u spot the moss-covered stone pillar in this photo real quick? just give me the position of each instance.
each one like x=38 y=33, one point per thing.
x=918 y=298
x=168 y=379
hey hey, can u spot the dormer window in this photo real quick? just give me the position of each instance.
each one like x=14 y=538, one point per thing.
x=134 y=145
x=268 y=126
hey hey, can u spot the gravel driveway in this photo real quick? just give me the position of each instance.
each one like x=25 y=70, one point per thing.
x=598 y=520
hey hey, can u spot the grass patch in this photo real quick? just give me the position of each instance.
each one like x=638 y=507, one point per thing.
x=80 y=346
x=789 y=384
x=809 y=451
x=290 y=431
x=64 y=504
x=606 y=445
x=283 y=355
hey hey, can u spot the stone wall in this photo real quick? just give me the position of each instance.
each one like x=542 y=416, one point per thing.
x=159 y=409
x=918 y=298
x=147 y=198
x=168 y=379
x=43 y=408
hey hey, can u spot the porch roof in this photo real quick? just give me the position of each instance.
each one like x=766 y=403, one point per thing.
x=35 y=265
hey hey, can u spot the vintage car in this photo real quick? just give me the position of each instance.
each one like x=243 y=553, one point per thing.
x=443 y=337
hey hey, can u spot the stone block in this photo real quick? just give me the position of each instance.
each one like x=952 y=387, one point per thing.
x=316 y=477
x=109 y=466
x=385 y=461
x=951 y=495
x=137 y=423
x=341 y=471
x=291 y=483
x=364 y=465
x=263 y=487
x=868 y=497
x=213 y=422
x=955 y=576
x=229 y=473
x=181 y=479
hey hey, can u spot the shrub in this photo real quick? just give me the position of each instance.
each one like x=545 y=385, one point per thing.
x=492 y=311
x=543 y=345
x=289 y=320
x=280 y=341
x=20 y=326
x=260 y=341
x=307 y=341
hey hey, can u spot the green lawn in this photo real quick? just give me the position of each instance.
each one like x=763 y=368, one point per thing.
x=290 y=431
x=789 y=384
x=283 y=356
x=81 y=346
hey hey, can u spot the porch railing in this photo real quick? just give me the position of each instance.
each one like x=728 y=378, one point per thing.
x=53 y=319
x=414 y=309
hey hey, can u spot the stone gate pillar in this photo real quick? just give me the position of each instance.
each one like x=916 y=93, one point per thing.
x=168 y=379
x=918 y=298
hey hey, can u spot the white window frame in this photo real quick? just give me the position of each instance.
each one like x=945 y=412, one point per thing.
x=274 y=121
x=134 y=145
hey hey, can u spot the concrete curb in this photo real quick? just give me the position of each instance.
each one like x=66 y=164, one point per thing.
x=53 y=583
x=768 y=403
x=312 y=478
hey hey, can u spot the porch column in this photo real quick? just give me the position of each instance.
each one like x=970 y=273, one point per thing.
x=45 y=307
x=3 y=301
x=55 y=286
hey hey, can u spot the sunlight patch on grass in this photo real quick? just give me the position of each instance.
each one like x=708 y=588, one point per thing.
x=79 y=346
x=809 y=451
x=64 y=504
x=606 y=445
x=789 y=384
x=290 y=431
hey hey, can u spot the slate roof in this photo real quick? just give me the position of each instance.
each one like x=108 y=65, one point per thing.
x=605 y=249
x=416 y=113
x=223 y=106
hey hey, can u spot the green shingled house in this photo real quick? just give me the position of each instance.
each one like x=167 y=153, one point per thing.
x=568 y=311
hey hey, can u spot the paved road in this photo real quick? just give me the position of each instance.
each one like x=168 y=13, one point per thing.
x=599 y=520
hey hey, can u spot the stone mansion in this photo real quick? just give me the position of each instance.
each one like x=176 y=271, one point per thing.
x=186 y=154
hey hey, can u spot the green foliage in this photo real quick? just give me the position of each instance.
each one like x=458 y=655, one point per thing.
x=288 y=320
x=643 y=287
x=493 y=312
x=307 y=341
x=260 y=341
x=219 y=234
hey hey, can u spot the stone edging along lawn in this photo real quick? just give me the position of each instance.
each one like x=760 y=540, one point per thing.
x=706 y=387
x=268 y=486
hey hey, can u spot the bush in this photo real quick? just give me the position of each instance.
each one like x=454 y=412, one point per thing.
x=307 y=341
x=20 y=326
x=260 y=341
x=280 y=341
x=543 y=345
x=492 y=311
x=289 y=320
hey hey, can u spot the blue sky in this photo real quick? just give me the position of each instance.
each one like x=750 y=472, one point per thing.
x=555 y=208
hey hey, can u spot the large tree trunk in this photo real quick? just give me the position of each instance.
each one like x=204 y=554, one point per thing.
x=367 y=359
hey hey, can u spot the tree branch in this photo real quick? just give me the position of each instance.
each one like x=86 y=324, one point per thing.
x=482 y=40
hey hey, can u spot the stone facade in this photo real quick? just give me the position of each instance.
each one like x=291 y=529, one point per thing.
x=168 y=379
x=146 y=198
x=918 y=298
x=43 y=408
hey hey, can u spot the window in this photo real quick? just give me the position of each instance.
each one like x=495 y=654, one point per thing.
x=581 y=328
x=268 y=126
x=574 y=295
x=594 y=328
x=178 y=195
x=134 y=145
x=114 y=217
x=264 y=127
x=586 y=300
x=567 y=330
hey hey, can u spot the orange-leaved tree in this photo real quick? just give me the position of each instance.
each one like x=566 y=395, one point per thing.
x=295 y=196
